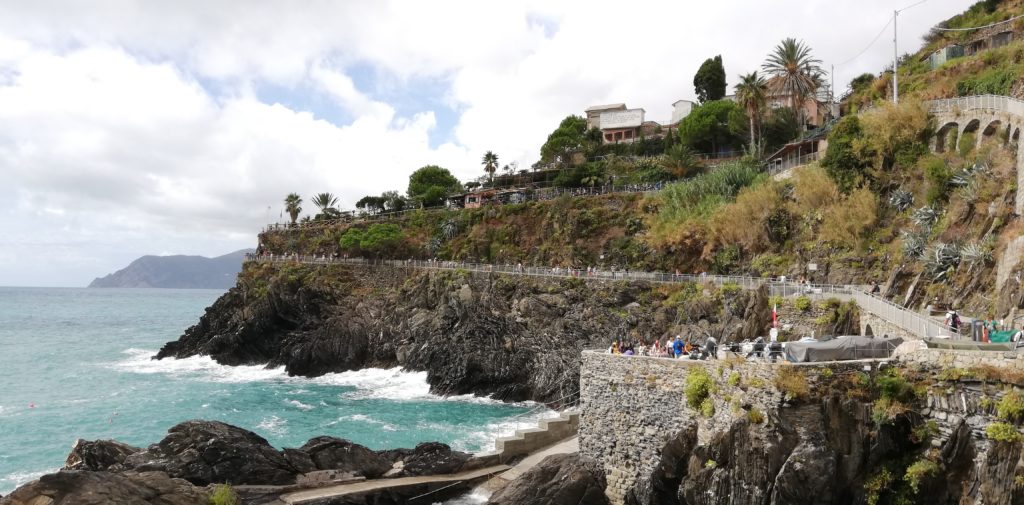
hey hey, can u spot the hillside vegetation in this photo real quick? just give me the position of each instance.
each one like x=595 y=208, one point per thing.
x=997 y=71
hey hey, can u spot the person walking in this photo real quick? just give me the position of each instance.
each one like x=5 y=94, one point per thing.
x=677 y=347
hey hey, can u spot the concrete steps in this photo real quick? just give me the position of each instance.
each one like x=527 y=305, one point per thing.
x=529 y=440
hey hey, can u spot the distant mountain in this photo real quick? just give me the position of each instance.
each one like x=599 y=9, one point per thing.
x=182 y=272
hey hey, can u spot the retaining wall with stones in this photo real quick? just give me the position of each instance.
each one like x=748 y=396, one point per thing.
x=631 y=406
x=955 y=358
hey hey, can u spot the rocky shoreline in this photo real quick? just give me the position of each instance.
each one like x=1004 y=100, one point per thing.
x=195 y=456
x=199 y=459
x=512 y=338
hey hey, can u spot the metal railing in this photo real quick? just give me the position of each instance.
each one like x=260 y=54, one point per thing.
x=778 y=166
x=977 y=102
x=918 y=324
x=777 y=286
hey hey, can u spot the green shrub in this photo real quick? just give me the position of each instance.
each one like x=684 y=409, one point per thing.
x=841 y=161
x=1011 y=407
x=701 y=194
x=918 y=471
x=996 y=81
x=755 y=416
x=793 y=383
x=966 y=144
x=924 y=432
x=224 y=494
x=698 y=387
x=938 y=176
x=875 y=485
x=707 y=407
x=730 y=288
x=734 y=379
x=1003 y=432
x=711 y=464
x=802 y=303
x=885 y=410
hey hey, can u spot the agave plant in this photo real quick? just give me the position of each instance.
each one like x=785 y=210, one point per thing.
x=449 y=229
x=941 y=260
x=901 y=200
x=433 y=245
x=914 y=244
x=969 y=192
x=926 y=216
x=976 y=254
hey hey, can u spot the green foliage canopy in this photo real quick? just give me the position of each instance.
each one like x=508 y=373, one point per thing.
x=707 y=129
x=430 y=184
x=841 y=161
x=709 y=81
x=570 y=136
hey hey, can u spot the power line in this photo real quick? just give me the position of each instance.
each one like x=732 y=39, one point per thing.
x=912 y=5
x=976 y=27
x=880 y=32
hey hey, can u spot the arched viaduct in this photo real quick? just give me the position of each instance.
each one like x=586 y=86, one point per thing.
x=989 y=118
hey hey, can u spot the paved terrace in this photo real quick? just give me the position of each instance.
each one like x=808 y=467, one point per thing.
x=883 y=314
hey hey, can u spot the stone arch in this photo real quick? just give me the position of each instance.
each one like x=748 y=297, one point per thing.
x=991 y=131
x=1014 y=136
x=947 y=136
x=972 y=128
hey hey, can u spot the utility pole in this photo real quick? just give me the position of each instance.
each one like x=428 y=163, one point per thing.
x=895 y=61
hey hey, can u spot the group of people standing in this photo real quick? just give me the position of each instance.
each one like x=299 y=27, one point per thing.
x=677 y=348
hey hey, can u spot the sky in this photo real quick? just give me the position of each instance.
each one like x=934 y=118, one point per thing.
x=132 y=127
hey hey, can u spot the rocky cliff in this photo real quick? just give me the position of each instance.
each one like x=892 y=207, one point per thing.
x=513 y=337
x=176 y=272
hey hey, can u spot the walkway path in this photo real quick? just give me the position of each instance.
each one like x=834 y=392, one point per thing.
x=916 y=324
x=434 y=482
x=567 y=446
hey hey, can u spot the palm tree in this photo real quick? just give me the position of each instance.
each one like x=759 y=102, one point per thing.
x=490 y=163
x=795 y=73
x=679 y=160
x=326 y=202
x=293 y=204
x=751 y=93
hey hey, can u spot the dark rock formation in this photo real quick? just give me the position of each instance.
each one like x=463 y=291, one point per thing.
x=511 y=337
x=80 y=487
x=207 y=452
x=98 y=455
x=429 y=458
x=329 y=453
x=181 y=272
x=567 y=479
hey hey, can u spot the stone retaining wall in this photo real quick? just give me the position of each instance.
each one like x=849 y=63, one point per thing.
x=631 y=406
x=953 y=358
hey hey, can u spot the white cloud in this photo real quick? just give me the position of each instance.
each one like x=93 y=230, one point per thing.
x=128 y=127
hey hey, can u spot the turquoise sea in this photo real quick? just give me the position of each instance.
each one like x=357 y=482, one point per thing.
x=75 y=363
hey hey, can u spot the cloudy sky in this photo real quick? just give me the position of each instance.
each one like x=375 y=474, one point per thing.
x=154 y=127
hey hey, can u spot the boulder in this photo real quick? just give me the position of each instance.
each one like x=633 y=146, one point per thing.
x=98 y=454
x=431 y=458
x=559 y=479
x=207 y=452
x=80 y=487
x=330 y=453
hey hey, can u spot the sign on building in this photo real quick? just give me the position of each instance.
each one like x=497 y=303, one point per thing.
x=630 y=118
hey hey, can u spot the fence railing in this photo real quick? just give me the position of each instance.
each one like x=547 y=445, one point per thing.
x=781 y=165
x=977 y=102
x=914 y=323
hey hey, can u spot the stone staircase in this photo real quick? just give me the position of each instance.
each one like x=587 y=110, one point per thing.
x=529 y=440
